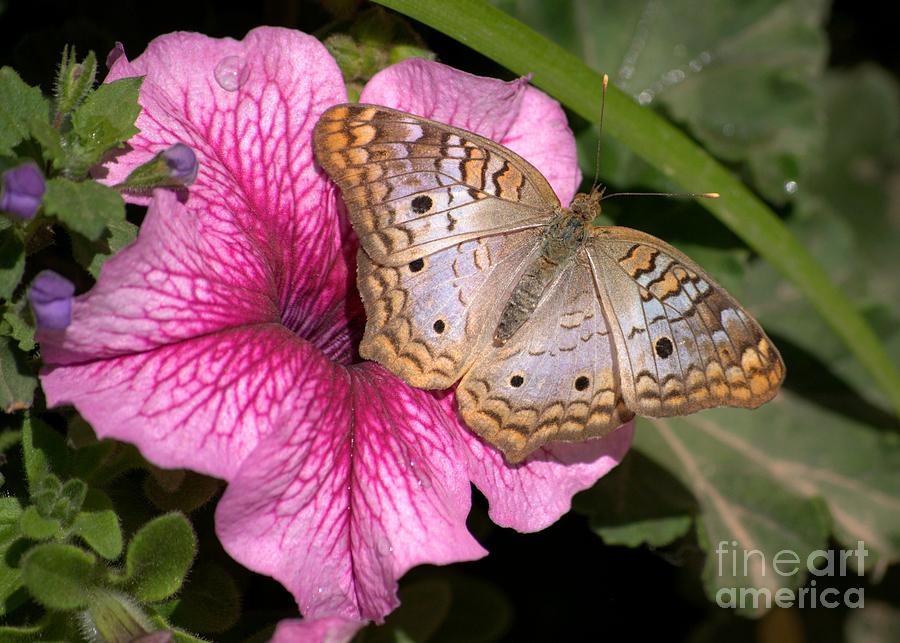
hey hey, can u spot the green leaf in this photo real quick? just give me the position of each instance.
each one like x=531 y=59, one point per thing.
x=74 y=80
x=101 y=531
x=93 y=254
x=17 y=383
x=72 y=496
x=44 y=451
x=35 y=526
x=159 y=556
x=87 y=207
x=106 y=118
x=210 y=601
x=12 y=261
x=20 y=106
x=715 y=67
x=190 y=492
x=22 y=634
x=784 y=476
x=10 y=577
x=58 y=576
x=479 y=612
x=12 y=325
x=638 y=503
x=512 y=44
x=9 y=438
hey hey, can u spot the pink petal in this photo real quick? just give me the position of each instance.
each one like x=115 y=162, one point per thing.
x=322 y=630
x=535 y=494
x=361 y=483
x=542 y=136
x=184 y=277
x=253 y=142
x=202 y=403
x=512 y=113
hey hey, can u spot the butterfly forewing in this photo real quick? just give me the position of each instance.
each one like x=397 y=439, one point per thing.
x=683 y=343
x=414 y=186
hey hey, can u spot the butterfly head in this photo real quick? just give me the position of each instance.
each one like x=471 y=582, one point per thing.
x=587 y=205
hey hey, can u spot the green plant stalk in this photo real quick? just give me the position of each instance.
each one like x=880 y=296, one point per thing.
x=504 y=39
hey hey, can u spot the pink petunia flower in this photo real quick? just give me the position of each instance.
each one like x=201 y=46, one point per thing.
x=223 y=339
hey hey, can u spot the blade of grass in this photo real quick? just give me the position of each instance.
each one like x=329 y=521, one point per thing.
x=522 y=50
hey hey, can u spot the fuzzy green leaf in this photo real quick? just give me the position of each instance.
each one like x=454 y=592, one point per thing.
x=106 y=118
x=159 y=556
x=12 y=325
x=101 y=531
x=20 y=106
x=210 y=601
x=93 y=254
x=17 y=383
x=10 y=577
x=87 y=207
x=44 y=451
x=12 y=260
x=58 y=576
x=74 y=79
x=35 y=526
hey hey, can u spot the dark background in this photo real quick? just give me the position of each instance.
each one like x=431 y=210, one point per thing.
x=562 y=583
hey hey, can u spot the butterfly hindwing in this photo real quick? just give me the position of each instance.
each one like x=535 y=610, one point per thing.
x=683 y=343
x=428 y=318
x=555 y=379
x=414 y=186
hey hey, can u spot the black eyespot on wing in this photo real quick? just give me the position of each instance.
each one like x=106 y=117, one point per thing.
x=422 y=204
x=439 y=326
x=664 y=347
x=416 y=265
x=581 y=383
x=516 y=381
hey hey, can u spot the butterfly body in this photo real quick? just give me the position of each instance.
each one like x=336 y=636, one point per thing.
x=472 y=272
x=560 y=242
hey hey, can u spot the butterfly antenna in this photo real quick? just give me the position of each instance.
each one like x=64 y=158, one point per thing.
x=600 y=132
x=699 y=195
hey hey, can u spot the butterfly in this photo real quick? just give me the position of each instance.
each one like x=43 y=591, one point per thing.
x=471 y=271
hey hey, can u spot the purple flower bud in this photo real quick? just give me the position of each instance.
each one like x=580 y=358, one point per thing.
x=51 y=300
x=114 y=54
x=21 y=191
x=159 y=636
x=182 y=163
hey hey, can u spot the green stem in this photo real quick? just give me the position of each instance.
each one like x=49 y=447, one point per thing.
x=500 y=37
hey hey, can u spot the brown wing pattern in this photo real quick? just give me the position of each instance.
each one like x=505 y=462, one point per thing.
x=683 y=343
x=428 y=319
x=556 y=379
x=414 y=186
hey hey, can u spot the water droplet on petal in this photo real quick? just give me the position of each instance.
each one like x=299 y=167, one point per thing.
x=319 y=590
x=791 y=187
x=231 y=73
x=383 y=547
x=645 y=97
x=673 y=77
